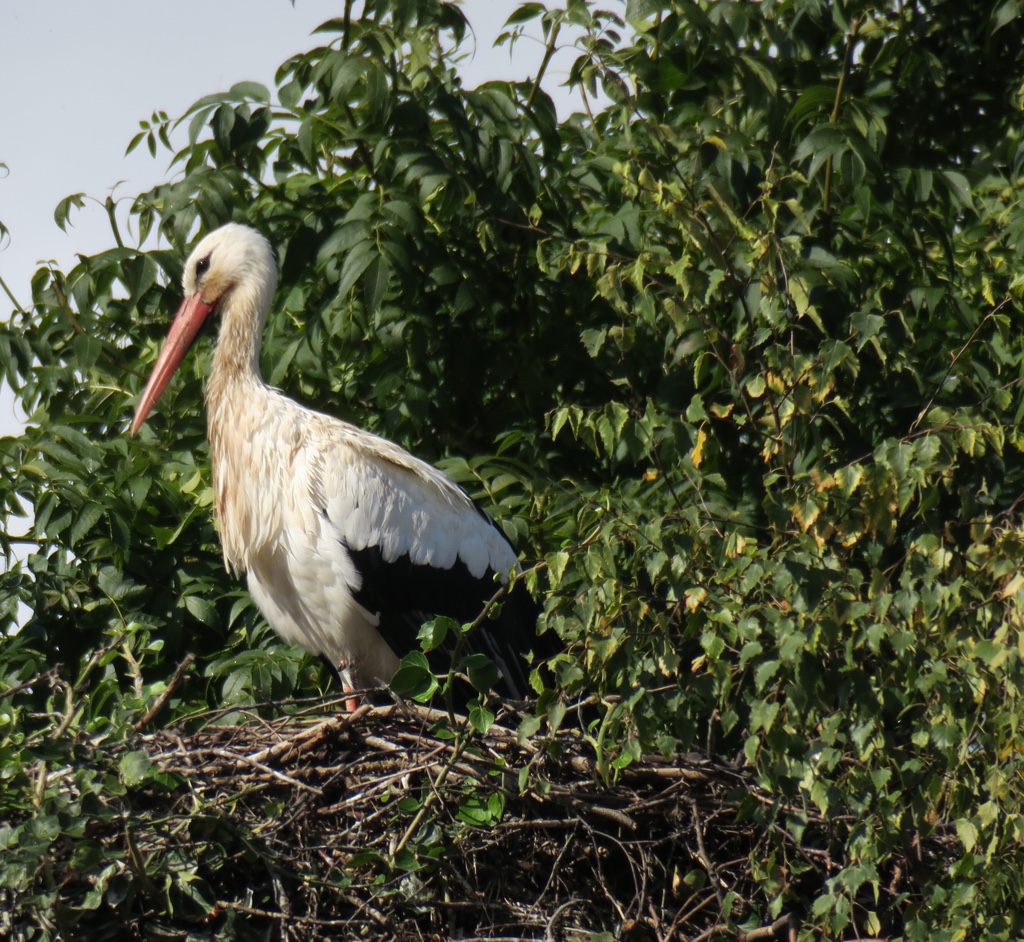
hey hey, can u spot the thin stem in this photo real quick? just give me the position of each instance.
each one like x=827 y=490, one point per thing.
x=549 y=51
x=348 y=24
x=110 y=206
x=14 y=300
x=834 y=117
x=437 y=785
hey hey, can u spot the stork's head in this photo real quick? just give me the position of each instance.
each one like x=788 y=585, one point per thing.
x=230 y=257
x=232 y=269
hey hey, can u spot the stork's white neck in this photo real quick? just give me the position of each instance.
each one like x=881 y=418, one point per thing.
x=243 y=313
x=236 y=411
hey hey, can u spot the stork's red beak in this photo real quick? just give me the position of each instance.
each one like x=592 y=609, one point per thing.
x=184 y=328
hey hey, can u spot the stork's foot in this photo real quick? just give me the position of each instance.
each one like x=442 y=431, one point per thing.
x=345 y=673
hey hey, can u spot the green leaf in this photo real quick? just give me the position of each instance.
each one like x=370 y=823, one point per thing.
x=356 y=263
x=63 y=211
x=84 y=522
x=958 y=186
x=968 y=834
x=482 y=672
x=250 y=90
x=480 y=717
x=474 y=811
x=414 y=679
x=135 y=766
x=763 y=714
x=524 y=13
x=377 y=92
x=351 y=70
x=375 y=282
x=432 y=634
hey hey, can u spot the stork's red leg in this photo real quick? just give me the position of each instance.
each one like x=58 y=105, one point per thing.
x=351 y=703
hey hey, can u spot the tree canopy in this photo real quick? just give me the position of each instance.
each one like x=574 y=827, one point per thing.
x=734 y=355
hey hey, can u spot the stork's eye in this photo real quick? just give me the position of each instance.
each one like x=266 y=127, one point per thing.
x=201 y=266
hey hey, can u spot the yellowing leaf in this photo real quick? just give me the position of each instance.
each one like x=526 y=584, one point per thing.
x=755 y=386
x=697 y=454
x=848 y=478
x=694 y=598
x=986 y=290
x=735 y=545
x=1013 y=586
x=798 y=292
x=806 y=512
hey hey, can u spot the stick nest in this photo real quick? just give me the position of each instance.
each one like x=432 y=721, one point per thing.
x=383 y=823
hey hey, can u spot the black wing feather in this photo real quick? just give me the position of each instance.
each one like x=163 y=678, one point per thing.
x=404 y=594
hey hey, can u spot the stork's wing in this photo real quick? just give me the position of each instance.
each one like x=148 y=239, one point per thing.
x=421 y=548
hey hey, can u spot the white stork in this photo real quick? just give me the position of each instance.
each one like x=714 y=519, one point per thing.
x=349 y=542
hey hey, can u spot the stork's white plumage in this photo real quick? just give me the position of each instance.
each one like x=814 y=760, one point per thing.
x=349 y=542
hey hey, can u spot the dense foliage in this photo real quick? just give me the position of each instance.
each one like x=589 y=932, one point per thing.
x=734 y=352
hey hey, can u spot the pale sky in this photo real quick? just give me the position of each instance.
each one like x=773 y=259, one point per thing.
x=77 y=76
